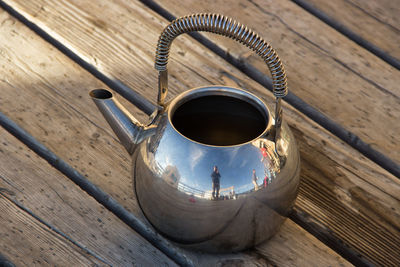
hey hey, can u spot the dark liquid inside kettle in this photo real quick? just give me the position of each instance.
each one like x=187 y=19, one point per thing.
x=219 y=120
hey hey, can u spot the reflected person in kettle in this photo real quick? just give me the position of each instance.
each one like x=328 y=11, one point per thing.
x=254 y=179
x=215 y=177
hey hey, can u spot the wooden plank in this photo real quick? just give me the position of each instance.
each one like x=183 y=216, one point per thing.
x=28 y=242
x=86 y=226
x=324 y=68
x=290 y=253
x=55 y=110
x=375 y=21
x=194 y=66
x=348 y=203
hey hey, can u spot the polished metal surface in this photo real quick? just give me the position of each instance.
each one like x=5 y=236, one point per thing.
x=174 y=185
x=128 y=130
x=214 y=170
x=219 y=24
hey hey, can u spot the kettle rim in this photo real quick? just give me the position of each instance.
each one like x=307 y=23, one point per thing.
x=221 y=90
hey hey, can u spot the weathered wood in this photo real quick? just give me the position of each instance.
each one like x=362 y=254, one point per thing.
x=376 y=21
x=348 y=204
x=193 y=66
x=386 y=11
x=291 y=253
x=27 y=242
x=89 y=233
x=324 y=68
x=56 y=110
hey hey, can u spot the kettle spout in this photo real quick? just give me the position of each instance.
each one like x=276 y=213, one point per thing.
x=129 y=130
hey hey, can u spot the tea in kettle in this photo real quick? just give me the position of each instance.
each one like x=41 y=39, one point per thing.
x=215 y=170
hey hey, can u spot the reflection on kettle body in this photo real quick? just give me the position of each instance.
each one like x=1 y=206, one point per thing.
x=254 y=179
x=270 y=158
x=171 y=175
x=207 y=130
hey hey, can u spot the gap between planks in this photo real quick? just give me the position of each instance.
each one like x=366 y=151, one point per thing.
x=118 y=86
x=19 y=229
x=50 y=227
x=348 y=33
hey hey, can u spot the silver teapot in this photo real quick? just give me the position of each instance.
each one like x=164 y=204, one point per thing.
x=214 y=169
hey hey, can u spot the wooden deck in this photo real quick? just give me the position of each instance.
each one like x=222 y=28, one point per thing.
x=66 y=195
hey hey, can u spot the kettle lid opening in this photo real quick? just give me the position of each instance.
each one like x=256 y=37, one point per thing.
x=219 y=116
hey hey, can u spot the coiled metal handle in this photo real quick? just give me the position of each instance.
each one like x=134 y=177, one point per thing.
x=228 y=27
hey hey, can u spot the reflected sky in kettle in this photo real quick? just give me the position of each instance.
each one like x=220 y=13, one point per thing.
x=195 y=163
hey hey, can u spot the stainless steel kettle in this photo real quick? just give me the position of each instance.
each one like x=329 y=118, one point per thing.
x=215 y=170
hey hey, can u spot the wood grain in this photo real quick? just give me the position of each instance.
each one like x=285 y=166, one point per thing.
x=376 y=21
x=324 y=68
x=45 y=93
x=193 y=66
x=291 y=253
x=27 y=243
x=32 y=182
